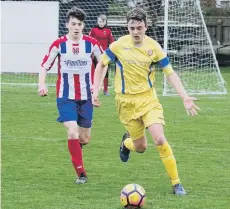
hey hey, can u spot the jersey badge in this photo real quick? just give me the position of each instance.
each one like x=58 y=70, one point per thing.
x=150 y=52
x=75 y=50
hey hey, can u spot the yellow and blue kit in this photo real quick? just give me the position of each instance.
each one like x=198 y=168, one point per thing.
x=135 y=72
x=137 y=103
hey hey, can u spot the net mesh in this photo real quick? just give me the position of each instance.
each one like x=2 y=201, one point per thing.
x=186 y=41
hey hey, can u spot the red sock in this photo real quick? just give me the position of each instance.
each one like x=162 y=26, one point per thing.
x=75 y=151
x=106 y=83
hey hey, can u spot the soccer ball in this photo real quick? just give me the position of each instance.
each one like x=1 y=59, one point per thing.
x=133 y=196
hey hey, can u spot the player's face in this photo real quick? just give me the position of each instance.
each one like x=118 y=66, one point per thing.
x=137 y=30
x=101 y=22
x=75 y=28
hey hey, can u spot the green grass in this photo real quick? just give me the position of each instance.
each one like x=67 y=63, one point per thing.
x=37 y=173
x=25 y=78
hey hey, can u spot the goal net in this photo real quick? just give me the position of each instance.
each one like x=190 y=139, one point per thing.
x=178 y=25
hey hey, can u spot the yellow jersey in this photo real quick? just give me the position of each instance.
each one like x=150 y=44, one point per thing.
x=135 y=71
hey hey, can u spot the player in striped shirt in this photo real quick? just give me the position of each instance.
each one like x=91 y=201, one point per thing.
x=73 y=52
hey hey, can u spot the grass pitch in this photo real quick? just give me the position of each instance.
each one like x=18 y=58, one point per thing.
x=37 y=172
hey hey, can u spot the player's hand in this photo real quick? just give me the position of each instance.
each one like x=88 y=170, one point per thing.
x=189 y=104
x=42 y=91
x=95 y=100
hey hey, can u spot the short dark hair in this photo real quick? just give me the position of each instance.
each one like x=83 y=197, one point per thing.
x=77 y=13
x=137 y=14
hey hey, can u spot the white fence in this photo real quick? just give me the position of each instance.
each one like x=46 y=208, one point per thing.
x=28 y=28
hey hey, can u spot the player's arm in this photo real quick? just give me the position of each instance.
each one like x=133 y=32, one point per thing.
x=42 y=89
x=107 y=57
x=188 y=101
x=98 y=51
x=176 y=83
x=99 y=75
x=46 y=65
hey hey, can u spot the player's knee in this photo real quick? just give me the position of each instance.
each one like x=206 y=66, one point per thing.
x=73 y=133
x=159 y=140
x=84 y=138
x=141 y=148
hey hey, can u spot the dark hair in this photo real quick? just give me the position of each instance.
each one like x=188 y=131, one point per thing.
x=137 y=14
x=77 y=13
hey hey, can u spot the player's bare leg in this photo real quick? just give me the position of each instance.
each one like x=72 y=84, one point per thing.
x=75 y=150
x=84 y=135
x=167 y=157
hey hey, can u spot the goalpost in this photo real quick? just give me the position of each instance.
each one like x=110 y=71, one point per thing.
x=178 y=25
x=189 y=47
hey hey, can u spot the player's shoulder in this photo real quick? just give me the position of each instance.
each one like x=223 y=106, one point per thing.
x=121 y=41
x=124 y=39
x=62 y=39
x=151 y=42
x=59 y=40
x=89 y=39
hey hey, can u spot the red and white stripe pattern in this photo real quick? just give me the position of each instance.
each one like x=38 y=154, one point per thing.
x=74 y=66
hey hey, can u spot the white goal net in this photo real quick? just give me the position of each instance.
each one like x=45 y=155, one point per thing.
x=178 y=25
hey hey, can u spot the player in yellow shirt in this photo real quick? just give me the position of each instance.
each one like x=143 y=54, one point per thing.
x=136 y=99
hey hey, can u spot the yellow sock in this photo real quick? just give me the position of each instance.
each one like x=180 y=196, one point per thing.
x=169 y=161
x=129 y=144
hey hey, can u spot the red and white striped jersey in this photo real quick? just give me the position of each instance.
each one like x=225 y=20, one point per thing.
x=74 y=65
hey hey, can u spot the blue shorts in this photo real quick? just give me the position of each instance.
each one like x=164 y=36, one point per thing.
x=72 y=110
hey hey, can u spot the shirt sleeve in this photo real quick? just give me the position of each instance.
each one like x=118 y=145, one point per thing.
x=109 y=54
x=163 y=60
x=49 y=58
